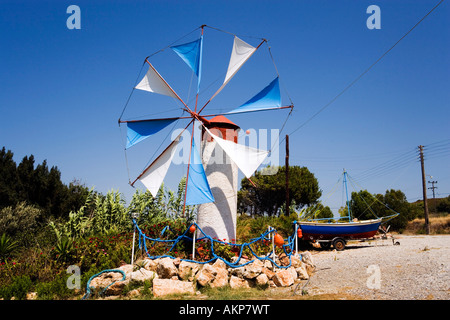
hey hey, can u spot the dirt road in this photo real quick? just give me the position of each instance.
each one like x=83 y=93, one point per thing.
x=418 y=268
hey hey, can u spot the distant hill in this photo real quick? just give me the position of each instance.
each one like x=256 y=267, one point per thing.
x=436 y=206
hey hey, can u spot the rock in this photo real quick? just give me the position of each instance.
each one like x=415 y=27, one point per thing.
x=268 y=264
x=142 y=275
x=220 y=278
x=283 y=278
x=302 y=274
x=176 y=262
x=238 y=272
x=293 y=272
x=308 y=258
x=220 y=264
x=31 y=296
x=162 y=287
x=252 y=270
x=216 y=275
x=238 y=283
x=205 y=275
x=166 y=269
x=150 y=264
x=284 y=259
x=295 y=261
x=187 y=270
x=241 y=261
x=127 y=268
x=269 y=273
x=262 y=280
x=106 y=279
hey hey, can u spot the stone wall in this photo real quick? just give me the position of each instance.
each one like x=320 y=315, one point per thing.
x=173 y=276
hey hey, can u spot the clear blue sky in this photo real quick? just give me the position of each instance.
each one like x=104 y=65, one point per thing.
x=62 y=91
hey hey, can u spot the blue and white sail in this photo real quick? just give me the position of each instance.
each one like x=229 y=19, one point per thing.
x=247 y=159
x=140 y=130
x=240 y=53
x=267 y=99
x=153 y=176
x=154 y=82
x=198 y=190
x=191 y=53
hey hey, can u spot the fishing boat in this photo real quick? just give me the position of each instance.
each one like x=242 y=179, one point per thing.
x=338 y=233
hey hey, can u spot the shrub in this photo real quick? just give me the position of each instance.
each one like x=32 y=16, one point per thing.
x=18 y=289
x=20 y=221
x=7 y=246
x=55 y=289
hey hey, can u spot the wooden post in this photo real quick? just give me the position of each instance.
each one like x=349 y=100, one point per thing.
x=424 y=189
x=287 y=175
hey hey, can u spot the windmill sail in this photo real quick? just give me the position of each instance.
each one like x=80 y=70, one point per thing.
x=246 y=158
x=154 y=82
x=153 y=176
x=191 y=53
x=266 y=99
x=140 y=130
x=198 y=190
x=240 y=53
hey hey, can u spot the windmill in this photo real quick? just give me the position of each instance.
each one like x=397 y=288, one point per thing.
x=211 y=184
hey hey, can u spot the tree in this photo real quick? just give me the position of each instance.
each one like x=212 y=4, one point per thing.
x=444 y=205
x=364 y=206
x=319 y=211
x=270 y=192
x=40 y=186
x=8 y=179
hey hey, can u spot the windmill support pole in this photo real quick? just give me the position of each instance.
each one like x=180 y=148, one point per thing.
x=132 y=250
x=187 y=174
x=287 y=175
x=424 y=190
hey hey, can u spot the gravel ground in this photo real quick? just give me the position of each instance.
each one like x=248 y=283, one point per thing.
x=418 y=268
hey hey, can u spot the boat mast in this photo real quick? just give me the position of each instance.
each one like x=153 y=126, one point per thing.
x=346 y=193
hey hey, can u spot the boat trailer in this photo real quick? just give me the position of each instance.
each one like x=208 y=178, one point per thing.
x=339 y=242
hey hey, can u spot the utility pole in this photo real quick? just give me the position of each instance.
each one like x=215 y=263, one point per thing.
x=287 y=175
x=424 y=189
x=432 y=189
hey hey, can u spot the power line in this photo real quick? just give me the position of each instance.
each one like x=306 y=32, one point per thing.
x=388 y=166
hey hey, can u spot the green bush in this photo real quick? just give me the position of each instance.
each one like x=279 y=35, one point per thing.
x=55 y=289
x=18 y=289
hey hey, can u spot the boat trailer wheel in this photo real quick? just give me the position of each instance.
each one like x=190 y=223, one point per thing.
x=339 y=244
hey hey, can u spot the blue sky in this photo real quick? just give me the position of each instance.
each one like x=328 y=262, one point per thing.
x=63 y=90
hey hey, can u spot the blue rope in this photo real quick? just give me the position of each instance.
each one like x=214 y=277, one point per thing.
x=143 y=243
x=88 y=287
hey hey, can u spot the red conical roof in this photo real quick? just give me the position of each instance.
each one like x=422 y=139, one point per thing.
x=221 y=121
